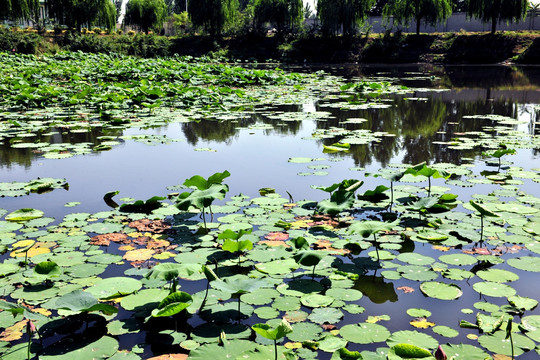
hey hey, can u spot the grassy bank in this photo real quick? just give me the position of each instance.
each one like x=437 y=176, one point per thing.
x=454 y=48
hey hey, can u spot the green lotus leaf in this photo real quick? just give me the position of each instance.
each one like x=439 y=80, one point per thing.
x=364 y=333
x=409 y=351
x=445 y=331
x=305 y=331
x=286 y=303
x=326 y=315
x=494 y=289
x=280 y=331
x=370 y=227
x=415 y=259
x=344 y=294
x=316 y=300
x=48 y=269
x=527 y=263
x=238 y=284
x=230 y=349
x=458 y=259
x=103 y=348
x=465 y=351
x=173 y=304
x=497 y=275
x=237 y=246
x=114 y=287
x=482 y=209
x=499 y=344
x=309 y=258
x=413 y=338
x=25 y=214
x=80 y=301
x=440 y=290
x=344 y=354
x=414 y=312
x=522 y=303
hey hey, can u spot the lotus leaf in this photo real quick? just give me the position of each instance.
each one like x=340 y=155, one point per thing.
x=364 y=333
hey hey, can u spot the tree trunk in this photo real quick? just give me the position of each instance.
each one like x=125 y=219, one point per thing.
x=493 y=24
x=418 y=26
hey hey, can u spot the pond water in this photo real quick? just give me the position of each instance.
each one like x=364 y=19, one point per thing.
x=448 y=116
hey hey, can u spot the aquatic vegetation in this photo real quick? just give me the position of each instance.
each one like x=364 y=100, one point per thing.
x=320 y=278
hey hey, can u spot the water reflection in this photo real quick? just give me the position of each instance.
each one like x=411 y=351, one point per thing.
x=418 y=126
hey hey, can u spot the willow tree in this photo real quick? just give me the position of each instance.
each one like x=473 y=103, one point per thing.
x=495 y=11
x=78 y=13
x=344 y=15
x=283 y=14
x=147 y=14
x=429 y=11
x=16 y=10
x=212 y=15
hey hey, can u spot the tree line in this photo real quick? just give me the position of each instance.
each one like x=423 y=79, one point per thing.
x=214 y=17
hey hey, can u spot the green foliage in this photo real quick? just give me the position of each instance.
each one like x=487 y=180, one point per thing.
x=341 y=198
x=19 y=9
x=212 y=15
x=147 y=14
x=173 y=304
x=76 y=14
x=497 y=11
x=280 y=331
x=342 y=14
x=282 y=14
x=429 y=11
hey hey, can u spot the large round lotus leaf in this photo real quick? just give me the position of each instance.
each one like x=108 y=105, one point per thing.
x=415 y=259
x=305 y=331
x=534 y=247
x=527 y=263
x=497 y=275
x=209 y=333
x=332 y=343
x=286 y=303
x=464 y=351
x=445 y=331
x=103 y=228
x=344 y=294
x=415 y=312
x=68 y=258
x=6 y=269
x=532 y=227
x=326 y=315
x=115 y=286
x=494 y=289
x=412 y=337
x=432 y=235
x=417 y=273
x=86 y=270
x=300 y=287
x=499 y=345
x=126 y=326
x=316 y=300
x=439 y=290
x=531 y=322
x=487 y=307
x=40 y=293
x=277 y=267
x=105 y=259
x=266 y=312
x=232 y=349
x=260 y=297
x=458 y=259
x=103 y=348
x=534 y=335
x=517 y=208
x=457 y=274
x=24 y=215
x=222 y=313
x=364 y=333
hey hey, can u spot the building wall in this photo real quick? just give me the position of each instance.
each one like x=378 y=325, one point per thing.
x=455 y=23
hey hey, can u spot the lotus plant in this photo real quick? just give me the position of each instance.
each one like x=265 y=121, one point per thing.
x=280 y=331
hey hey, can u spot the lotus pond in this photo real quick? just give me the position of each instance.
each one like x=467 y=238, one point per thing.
x=191 y=209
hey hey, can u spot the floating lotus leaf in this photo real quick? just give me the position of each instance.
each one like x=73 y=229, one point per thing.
x=80 y=301
x=412 y=337
x=414 y=312
x=25 y=214
x=266 y=312
x=498 y=343
x=276 y=267
x=261 y=296
x=286 y=303
x=230 y=349
x=114 y=286
x=522 y=303
x=103 y=348
x=458 y=259
x=465 y=351
x=305 y=331
x=497 y=275
x=440 y=290
x=445 y=331
x=173 y=304
x=344 y=294
x=300 y=287
x=408 y=351
x=415 y=259
x=364 y=333
x=494 y=289
x=517 y=208
x=326 y=315
x=316 y=300
x=527 y=263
